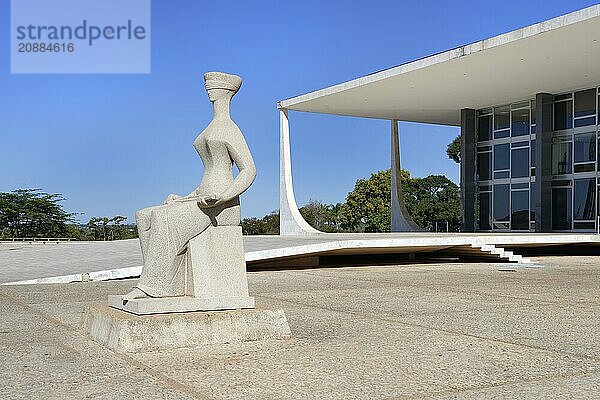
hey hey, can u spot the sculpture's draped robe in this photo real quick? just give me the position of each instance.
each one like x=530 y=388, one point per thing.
x=166 y=230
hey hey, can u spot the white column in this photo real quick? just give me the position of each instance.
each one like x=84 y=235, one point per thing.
x=401 y=220
x=291 y=221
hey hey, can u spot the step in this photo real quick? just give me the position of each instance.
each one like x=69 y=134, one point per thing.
x=503 y=254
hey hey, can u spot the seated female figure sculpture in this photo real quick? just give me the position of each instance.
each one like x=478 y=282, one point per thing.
x=165 y=230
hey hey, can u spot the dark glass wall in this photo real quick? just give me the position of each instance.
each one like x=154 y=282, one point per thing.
x=506 y=163
x=504 y=166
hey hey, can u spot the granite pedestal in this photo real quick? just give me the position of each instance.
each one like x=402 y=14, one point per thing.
x=124 y=332
x=215 y=277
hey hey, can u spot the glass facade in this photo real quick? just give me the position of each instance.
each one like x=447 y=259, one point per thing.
x=506 y=160
x=505 y=166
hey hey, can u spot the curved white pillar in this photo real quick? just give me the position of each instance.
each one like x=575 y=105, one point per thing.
x=401 y=219
x=291 y=221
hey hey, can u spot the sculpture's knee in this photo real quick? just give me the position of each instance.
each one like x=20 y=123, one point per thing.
x=157 y=217
x=143 y=219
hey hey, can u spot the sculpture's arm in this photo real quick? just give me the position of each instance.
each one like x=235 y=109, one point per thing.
x=191 y=196
x=240 y=154
x=177 y=198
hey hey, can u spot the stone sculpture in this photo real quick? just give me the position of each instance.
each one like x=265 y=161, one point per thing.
x=192 y=244
x=194 y=272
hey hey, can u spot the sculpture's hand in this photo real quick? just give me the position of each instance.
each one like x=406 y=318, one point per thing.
x=171 y=198
x=210 y=201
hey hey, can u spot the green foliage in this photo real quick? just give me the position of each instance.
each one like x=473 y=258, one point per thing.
x=32 y=213
x=76 y=232
x=104 y=228
x=430 y=200
x=324 y=217
x=453 y=150
x=29 y=213
x=367 y=207
x=268 y=225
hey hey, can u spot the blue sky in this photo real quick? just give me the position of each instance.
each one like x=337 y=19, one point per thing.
x=116 y=143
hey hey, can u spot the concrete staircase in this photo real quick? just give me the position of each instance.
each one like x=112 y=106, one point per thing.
x=505 y=255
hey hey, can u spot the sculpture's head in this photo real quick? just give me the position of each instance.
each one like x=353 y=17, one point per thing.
x=220 y=85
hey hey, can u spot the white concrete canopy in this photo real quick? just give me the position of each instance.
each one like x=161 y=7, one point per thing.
x=557 y=55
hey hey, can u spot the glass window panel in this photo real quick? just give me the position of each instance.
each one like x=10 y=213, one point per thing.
x=484 y=166
x=520 y=210
x=561 y=208
x=501 y=134
x=562 y=182
x=585 y=147
x=584 y=201
x=520 y=122
x=501 y=203
x=485 y=206
x=502 y=175
x=585 y=103
x=532 y=204
x=519 y=144
x=519 y=167
x=523 y=104
x=501 y=157
x=585 y=121
x=533 y=111
x=584 y=225
x=519 y=186
x=532 y=153
x=501 y=118
x=562 y=96
x=563 y=115
x=561 y=158
x=484 y=129
x=590 y=167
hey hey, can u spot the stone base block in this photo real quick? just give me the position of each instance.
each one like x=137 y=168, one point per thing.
x=124 y=332
x=164 y=305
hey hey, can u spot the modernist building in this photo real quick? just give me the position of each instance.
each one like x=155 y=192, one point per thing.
x=527 y=103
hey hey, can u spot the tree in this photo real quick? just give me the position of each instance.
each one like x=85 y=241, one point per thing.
x=324 y=217
x=428 y=200
x=268 y=225
x=252 y=226
x=367 y=207
x=271 y=223
x=98 y=227
x=104 y=228
x=453 y=150
x=116 y=230
x=432 y=200
x=33 y=213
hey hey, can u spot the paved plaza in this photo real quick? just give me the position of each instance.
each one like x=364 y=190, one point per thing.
x=27 y=261
x=444 y=331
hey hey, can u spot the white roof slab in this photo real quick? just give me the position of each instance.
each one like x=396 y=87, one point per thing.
x=557 y=55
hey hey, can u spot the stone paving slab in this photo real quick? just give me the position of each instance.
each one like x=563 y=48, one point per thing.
x=20 y=261
x=450 y=331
